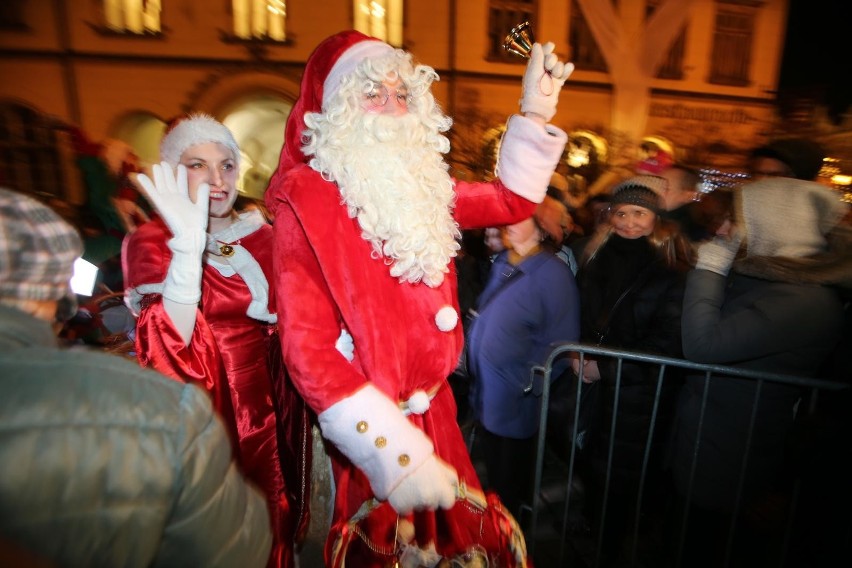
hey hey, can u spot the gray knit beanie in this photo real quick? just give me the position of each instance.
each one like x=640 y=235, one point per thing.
x=643 y=191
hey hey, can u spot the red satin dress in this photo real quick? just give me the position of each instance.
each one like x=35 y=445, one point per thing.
x=236 y=358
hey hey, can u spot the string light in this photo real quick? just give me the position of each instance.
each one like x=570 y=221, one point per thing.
x=712 y=179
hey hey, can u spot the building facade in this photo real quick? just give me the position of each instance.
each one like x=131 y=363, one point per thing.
x=697 y=78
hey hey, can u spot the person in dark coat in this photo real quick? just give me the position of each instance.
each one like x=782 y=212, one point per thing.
x=778 y=312
x=631 y=290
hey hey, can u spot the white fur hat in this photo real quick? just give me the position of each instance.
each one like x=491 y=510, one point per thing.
x=196 y=129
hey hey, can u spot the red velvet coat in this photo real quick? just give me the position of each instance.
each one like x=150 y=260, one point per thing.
x=326 y=278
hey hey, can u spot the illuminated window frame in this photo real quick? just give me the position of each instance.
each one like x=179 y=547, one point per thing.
x=260 y=19
x=379 y=18
x=137 y=17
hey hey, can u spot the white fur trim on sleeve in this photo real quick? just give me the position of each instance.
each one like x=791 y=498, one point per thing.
x=370 y=430
x=528 y=155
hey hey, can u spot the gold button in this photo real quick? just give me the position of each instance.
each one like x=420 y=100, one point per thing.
x=404 y=460
x=381 y=442
x=361 y=427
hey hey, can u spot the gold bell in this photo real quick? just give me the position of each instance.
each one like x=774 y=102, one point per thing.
x=520 y=40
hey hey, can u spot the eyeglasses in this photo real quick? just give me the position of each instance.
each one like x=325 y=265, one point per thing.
x=378 y=96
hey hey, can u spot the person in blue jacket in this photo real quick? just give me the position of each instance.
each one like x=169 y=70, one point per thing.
x=530 y=301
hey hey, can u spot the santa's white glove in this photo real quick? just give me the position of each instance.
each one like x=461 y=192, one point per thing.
x=345 y=345
x=187 y=221
x=543 y=80
x=370 y=429
x=434 y=484
x=718 y=254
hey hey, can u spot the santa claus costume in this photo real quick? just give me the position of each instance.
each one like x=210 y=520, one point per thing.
x=232 y=346
x=366 y=222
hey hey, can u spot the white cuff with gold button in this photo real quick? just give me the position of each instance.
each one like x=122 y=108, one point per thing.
x=370 y=429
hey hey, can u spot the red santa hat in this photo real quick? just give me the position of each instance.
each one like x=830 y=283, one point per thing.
x=196 y=129
x=332 y=61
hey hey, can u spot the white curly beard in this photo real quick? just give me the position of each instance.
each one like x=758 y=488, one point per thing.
x=393 y=178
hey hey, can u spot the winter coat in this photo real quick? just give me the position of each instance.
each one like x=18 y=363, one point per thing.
x=647 y=320
x=765 y=317
x=534 y=305
x=106 y=464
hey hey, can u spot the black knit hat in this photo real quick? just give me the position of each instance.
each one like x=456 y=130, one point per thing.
x=643 y=191
x=803 y=157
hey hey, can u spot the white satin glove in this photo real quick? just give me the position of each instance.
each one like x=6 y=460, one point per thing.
x=543 y=80
x=434 y=484
x=718 y=254
x=169 y=194
x=345 y=345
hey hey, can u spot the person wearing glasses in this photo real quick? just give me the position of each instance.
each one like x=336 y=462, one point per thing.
x=367 y=223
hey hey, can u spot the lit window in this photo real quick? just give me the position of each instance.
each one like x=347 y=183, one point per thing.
x=381 y=19
x=133 y=16
x=261 y=19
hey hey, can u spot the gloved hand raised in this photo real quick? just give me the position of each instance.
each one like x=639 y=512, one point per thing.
x=543 y=80
x=169 y=194
x=718 y=254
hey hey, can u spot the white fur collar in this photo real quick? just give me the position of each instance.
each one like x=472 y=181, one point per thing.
x=242 y=263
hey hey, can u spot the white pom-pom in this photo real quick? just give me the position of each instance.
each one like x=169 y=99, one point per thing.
x=418 y=402
x=447 y=318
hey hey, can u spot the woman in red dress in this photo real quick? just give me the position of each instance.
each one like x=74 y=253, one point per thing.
x=198 y=280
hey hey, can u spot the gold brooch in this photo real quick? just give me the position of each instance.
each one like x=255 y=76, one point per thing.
x=226 y=250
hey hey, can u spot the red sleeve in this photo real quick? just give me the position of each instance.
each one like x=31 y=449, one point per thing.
x=309 y=318
x=491 y=204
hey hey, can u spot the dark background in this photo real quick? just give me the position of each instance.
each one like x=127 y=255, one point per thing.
x=817 y=54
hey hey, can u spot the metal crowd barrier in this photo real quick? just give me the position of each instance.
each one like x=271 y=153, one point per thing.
x=544 y=373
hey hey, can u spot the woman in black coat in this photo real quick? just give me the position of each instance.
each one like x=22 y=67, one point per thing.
x=631 y=292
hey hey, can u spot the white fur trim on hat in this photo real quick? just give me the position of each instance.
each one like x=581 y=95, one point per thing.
x=447 y=318
x=197 y=129
x=347 y=62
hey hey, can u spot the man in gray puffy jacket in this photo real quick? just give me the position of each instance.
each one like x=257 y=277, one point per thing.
x=103 y=463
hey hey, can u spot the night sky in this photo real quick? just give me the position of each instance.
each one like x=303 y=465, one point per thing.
x=818 y=52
